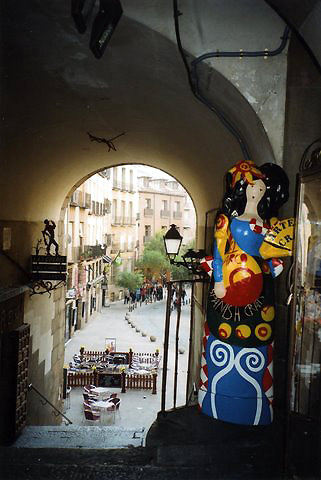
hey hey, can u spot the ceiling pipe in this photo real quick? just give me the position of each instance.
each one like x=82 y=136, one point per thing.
x=194 y=82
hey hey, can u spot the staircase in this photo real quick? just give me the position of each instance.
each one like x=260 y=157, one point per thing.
x=180 y=445
x=91 y=464
x=79 y=437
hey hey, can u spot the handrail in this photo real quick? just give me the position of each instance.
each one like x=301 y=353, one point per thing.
x=30 y=386
x=166 y=338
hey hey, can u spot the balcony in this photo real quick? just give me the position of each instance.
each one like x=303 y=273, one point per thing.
x=107 y=206
x=108 y=240
x=148 y=212
x=177 y=215
x=165 y=213
x=94 y=251
x=124 y=186
x=116 y=185
x=74 y=198
x=116 y=220
x=105 y=173
x=88 y=200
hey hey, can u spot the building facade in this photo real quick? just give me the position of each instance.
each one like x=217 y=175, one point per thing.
x=163 y=202
x=124 y=212
x=88 y=242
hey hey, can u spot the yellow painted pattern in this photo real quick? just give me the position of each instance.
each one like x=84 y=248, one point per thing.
x=278 y=242
x=243 y=331
x=224 y=330
x=268 y=313
x=263 y=331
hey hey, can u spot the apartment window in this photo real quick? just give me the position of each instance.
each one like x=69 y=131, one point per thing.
x=115 y=175
x=131 y=212
x=165 y=205
x=123 y=211
x=123 y=178
x=177 y=206
x=81 y=234
x=131 y=180
x=148 y=230
x=148 y=203
x=114 y=210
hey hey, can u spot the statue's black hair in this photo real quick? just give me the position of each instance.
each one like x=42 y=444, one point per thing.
x=277 y=193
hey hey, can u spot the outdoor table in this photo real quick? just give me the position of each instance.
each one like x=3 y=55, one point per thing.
x=119 y=359
x=104 y=413
x=102 y=405
x=100 y=390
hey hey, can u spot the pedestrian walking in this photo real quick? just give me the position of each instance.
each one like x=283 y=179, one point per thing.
x=126 y=296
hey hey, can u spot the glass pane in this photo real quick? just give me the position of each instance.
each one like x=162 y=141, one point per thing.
x=306 y=387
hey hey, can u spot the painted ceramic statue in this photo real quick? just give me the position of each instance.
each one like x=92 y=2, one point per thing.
x=237 y=360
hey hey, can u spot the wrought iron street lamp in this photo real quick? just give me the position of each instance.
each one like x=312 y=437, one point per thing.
x=172 y=241
x=190 y=260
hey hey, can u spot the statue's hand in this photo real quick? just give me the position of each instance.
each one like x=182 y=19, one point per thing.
x=219 y=289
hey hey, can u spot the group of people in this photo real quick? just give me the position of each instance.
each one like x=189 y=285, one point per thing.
x=146 y=292
x=178 y=299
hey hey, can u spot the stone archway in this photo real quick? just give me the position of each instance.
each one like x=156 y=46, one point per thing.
x=49 y=108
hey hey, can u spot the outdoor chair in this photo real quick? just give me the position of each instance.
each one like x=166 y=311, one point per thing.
x=110 y=398
x=88 y=387
x=89 y=398
x=92 y=416
x=111 y=411
x=88 y=390
x=67 y=401
x=116 y=402
x=90 y=407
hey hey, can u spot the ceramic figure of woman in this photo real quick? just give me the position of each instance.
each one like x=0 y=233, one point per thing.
x=237 y=361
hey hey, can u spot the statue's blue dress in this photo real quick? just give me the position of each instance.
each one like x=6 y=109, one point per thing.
x=237 y=366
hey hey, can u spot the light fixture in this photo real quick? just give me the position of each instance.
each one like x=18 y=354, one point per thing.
x=81 y=11
x=191 y=259
x=172 y=241
x=104 y=25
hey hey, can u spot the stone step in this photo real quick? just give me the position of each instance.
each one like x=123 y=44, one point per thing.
x=84 y=464
x=78 y=436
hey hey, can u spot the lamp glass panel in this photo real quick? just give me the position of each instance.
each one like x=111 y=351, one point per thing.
x=172 y=246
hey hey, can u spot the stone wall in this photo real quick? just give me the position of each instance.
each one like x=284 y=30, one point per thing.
x=46 y=316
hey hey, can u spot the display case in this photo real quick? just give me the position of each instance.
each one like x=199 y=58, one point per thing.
x=305 y=352
x=306 y=388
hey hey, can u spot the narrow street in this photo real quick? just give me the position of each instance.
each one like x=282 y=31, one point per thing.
x=138 y=407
